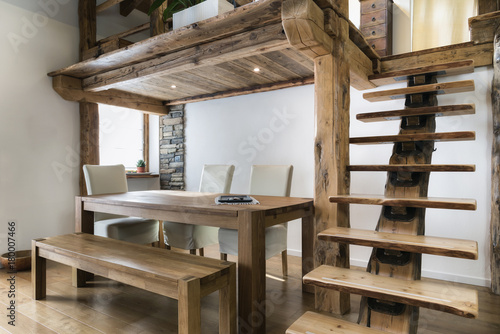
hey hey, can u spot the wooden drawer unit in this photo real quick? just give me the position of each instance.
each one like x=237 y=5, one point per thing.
x=376 y=24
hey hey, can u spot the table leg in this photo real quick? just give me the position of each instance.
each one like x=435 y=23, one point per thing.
x=84 y=223
x=38 y=272
x=308 y=236
x=251 y=272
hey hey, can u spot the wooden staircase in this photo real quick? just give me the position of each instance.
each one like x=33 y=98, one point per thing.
x=391 y=287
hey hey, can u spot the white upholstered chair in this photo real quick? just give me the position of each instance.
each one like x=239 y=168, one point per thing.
x=214 y=179
x=112 y=179
x=267 y=180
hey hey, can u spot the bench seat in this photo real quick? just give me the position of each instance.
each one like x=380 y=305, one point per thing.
x=184 y=277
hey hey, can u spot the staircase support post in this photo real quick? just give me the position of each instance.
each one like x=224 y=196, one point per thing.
x=495 y=169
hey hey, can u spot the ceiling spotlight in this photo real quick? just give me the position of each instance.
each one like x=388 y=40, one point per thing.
x=256 y=69
x=173 y=86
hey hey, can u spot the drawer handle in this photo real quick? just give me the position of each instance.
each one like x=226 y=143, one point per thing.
x=373 y=5
x=373 y=32
x=373 y=19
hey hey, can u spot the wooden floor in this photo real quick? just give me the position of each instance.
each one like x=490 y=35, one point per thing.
x=110 y=307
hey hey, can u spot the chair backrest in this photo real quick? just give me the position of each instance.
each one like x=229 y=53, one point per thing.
x=109 y=179
x=105 y=179
x=271 y=180
x=216 y=178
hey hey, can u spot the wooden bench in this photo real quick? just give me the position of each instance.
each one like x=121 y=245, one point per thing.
x=184 y=277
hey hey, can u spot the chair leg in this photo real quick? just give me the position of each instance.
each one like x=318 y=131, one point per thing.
x=167 y=247
x=284 y=263
x=202 y=252
x=223 y=256
x=192 y=251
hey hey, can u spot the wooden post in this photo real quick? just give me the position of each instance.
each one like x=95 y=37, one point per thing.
x=487 y=6
x=89 y=112
x=156 y=19
x=303 y=22
x=495 y=170
x=331 y=100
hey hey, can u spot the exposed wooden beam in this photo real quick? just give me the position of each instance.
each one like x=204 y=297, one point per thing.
x=481 y=54
x=107 y=4
x=487 y=6
x=483 y=27
x=304 y=26
x=257 y=14
x=127 y=6
x=106 y=47
x=360 y=67
x=495 y=172
x=257 y=41
x=244 y=91
x=70 y=89
x=89 y=112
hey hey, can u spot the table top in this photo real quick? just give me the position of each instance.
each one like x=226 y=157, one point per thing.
x=186 y=201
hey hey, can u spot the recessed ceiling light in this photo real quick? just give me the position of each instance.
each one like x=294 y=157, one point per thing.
x=256 y=69
x=173 y=86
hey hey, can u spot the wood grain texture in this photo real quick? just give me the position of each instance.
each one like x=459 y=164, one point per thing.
x=254 y=15
x=455 y=300
x=440 y=136
x=483 y=27
x=438 y=88
x=127 y=6
x=303 y=22
x=70 y=89
x=311 y=322
x=424 y=202
x=439 y=70
x=465 y=249
x=259 y=40
x=411 y=168
x=495 y=172
x=331 y=156
x=486 y=6
x=110 y=307
x=180 y=276
x=438 y=111
x=127 y=33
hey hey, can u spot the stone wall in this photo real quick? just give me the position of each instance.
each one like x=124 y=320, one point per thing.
x=172 y=149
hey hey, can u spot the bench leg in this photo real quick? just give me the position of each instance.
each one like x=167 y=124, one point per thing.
x=227 y=304
x=38 y=272
x=189 y=305
x=79 y=277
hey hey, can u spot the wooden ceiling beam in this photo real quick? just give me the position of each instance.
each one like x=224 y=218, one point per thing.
x=481 y=54
x=482 y=28
x=254 y=42
x=257 y=14
x=244 y=91
x=107 y=4
x=70 y=89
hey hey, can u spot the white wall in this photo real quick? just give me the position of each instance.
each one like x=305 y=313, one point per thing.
x=39 y=131
x=265 y=128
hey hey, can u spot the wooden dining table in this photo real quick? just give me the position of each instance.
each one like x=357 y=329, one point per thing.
x=200 y=208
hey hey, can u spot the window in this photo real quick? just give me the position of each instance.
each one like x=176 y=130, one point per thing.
x=121 y=136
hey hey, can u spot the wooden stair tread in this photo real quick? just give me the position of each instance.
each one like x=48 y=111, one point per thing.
x=439 y=70
x=440 y=136
x=438 y=88
x=441 y=296
x=391 y=115
x=416 y=202
x=464 y=249
x=315 y=323
x=412 y=168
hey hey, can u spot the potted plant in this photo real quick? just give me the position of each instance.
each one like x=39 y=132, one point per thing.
x=197 y=10
x=141 y=166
